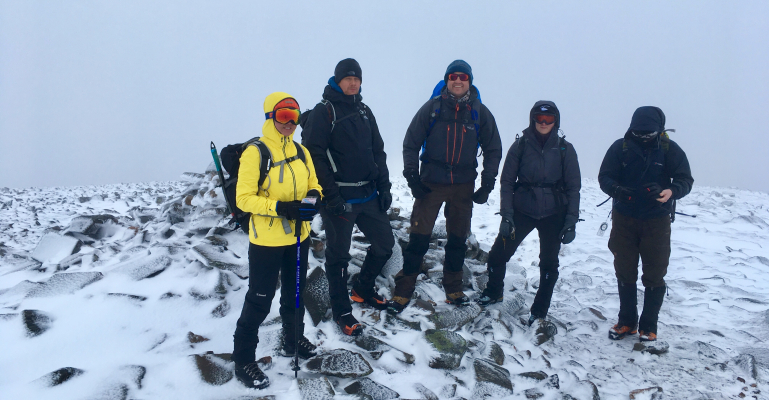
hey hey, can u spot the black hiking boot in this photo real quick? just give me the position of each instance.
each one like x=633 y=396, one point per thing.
x=397 y=304
x=349 y=325
x=375 y=300
x=486 y=300
x=305 y=347
x=252 y=376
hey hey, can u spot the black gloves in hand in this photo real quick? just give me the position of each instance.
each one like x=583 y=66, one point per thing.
x=568 y=233
x=335 y=205
x=385 y=200
x=652 y=190
x=418 y=189
x=313 y=193
x=624 y=194
x=296 y=210
x=482 y=194
x=507 y=226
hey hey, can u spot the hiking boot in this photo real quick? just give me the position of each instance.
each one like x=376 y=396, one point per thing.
x=305 y=348
x=376 y=301
x=457 y=298
x=647 y=336
x=251 y=375
x=486 y=300
x=397 y=304
x=618 y=331
x=349 y=325
x=532 y=319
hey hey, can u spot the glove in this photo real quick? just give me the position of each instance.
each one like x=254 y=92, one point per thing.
x=624 y=194
x=482 y=194
x=652 y=190
x=313 y=193
x=418 y=189
x=568 y=233
x=385 y=200
x=296 y=210
x=507 y=226
x=335 y=205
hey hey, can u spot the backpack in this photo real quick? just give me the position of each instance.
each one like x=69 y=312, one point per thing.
x=230 y=157
x=436 y=111
x=559 y=185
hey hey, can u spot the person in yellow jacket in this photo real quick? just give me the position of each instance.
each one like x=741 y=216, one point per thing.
x=275 y=206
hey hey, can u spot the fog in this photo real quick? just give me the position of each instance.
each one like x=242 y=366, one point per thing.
x=97 y=92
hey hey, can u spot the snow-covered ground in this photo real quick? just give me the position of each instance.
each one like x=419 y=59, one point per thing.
x=153 y=285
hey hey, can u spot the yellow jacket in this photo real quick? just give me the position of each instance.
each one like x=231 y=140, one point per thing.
x=267 y=228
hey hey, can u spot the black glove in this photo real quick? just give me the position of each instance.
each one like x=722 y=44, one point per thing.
x=624 y=194
x=313 y=193
x=568 y=233
x=335 y=205
x=385 y=200
x=418 y=189
x=507 y=226
x=296 y=210
x=482 y=194
x=652 y=190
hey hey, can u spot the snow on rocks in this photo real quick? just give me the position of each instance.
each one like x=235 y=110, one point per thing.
x=316 y=389
x=375 y=390
x=450 y=345
x=53 y=248
x=340 y=363
x=36 y=322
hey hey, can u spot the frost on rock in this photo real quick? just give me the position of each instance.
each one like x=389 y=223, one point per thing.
x=491 y=380
x=90 y=228
x=340 y=363
x=53 y=248
x=60 y=376
x=316 y=389
x=36 y=322
x=220 y=257
x=450 y=346
x=145 y=267
x=316 y=298
x=65 y=283
x=455 y=318
x=371 y=388
x=214 y=368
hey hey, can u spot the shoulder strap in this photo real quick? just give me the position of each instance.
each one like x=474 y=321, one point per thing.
x=265 y=158
x=521 y=140
x=436 y=110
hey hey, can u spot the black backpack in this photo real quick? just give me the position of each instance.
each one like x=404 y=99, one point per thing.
x=230 y=157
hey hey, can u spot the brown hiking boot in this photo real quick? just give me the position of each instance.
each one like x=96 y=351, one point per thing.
x=647 y=336
x=618 y=331
x=457 y=298
x=397 y=304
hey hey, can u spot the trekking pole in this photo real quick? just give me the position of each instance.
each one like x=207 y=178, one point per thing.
x=221 y=177
x=298 y=230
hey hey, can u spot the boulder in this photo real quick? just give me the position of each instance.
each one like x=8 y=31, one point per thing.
x=65 y=283
x=90 y=228
x=193 y=338
x=535 y=375
x=657 y=347
x=709 y=351
x=491 y=380
x=496 y=354
x=316 y=298
x=371 y=388
x=53 y=248
x=340 y=363
x=216 y=256
x=747 y=364
x=36 y=322
x=60 y=376
x=544 y=330
x=511 y=306
x=136 y=374
x=654 y=392
x=450 y=346
x=316 y=389
x=426 y=393
x=533 y=393
x=213 y=368
x=455 y=317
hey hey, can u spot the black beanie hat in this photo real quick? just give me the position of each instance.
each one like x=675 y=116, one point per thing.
x=347 y=67
x=458 y=66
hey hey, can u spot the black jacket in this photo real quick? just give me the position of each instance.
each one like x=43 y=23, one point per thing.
x=355 y=146
x=451 y=146
x=541 y=166
x=632 y=163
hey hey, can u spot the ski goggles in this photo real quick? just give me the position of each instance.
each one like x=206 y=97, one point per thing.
x=461 y=77
x=645 y=135
x=284 y=115
x=544 y=119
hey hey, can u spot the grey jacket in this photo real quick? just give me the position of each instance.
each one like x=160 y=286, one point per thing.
x=529 y=186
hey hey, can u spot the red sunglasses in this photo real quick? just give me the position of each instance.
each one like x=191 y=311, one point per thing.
x=544 y=119
x=461 y=77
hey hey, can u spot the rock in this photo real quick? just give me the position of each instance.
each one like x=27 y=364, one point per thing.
x=221 y=310
x=545 y=330
x=213 y=368
x=496 y=353
x=316 y=298
x=89 y=228
x=455 y=317
x=114 y=392
x=371 y=388
x=340 y=363
x=145 y=267
x=747 y=363
x=450 y=345
x=318 y=248
x=655 y=392
x=193 y=338
x=709 y=351
x=511 y=306
x=533 y=393
x=316 y=389
x=133 y=297
x=597 y=314
x=220 y=257
x=136 y=372
x=60 y=376
x=426 y=393
x=553 y=382
x=537 y=375
x=424 y=305
x=657 y=347
x=65 y=283
x=449 y=390
x=53 y=248
x=491 y=380
x=36 y=322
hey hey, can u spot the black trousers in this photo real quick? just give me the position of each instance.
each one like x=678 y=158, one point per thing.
x=648 y=239
x=265 y=264
x=503 y=249
x=375 y=225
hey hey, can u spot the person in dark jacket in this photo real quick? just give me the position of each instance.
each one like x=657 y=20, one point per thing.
x=540 y=189
x=343 y=138
x=451 y=127
x=645 y=172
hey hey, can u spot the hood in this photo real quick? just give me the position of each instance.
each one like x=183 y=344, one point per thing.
x=647 y=118
x=333 y=92
x=536 y=109
x=268 y=129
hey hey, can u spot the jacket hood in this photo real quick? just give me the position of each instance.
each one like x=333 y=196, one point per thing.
x=647 y=118
x=268 y=128
x=537 y=109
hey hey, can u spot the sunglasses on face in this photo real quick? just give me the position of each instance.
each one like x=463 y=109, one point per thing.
x=545 y=119
x=461 y=77
x=645 y=135
x=284 y=115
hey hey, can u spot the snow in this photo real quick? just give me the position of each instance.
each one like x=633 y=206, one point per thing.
x=120 y=309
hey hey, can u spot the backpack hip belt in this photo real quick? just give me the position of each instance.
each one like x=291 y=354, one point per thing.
x=353 y=184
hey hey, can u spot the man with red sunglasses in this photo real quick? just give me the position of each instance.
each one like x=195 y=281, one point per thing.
x=450 y=129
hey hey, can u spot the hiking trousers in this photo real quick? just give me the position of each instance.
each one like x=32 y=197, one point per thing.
x=375 y=225
x=549 y=229
x=264 y=265
x=648 y=239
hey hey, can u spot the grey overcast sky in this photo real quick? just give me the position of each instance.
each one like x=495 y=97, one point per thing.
x=97 y=92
